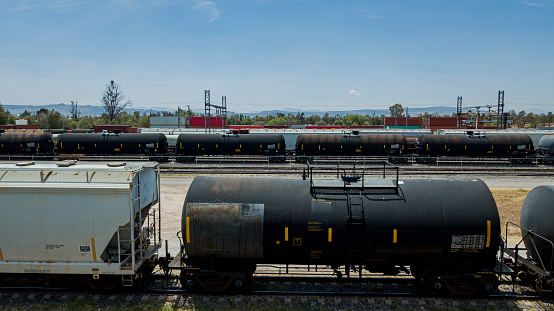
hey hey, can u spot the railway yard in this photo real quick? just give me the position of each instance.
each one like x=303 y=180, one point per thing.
x=284 y=287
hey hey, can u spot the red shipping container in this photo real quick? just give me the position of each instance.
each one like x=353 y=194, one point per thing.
x=27 y=126
x=214 y=122
x=401 y=121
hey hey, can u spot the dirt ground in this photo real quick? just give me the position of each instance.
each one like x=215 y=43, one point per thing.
x=509 y=202
x=508 y=194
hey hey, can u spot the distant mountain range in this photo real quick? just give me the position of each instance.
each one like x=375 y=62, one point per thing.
x=89 y=110
x=370 y=112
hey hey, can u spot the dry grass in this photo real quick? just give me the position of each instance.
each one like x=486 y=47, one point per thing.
x=509 y=202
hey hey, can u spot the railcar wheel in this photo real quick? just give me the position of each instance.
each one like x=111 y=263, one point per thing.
x=188 y=281
x=544 y=287
x=242 y=282
x=431 y=282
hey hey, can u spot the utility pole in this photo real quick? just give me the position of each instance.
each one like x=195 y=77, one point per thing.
x=459 y=113
x=187 y=120
x=178 y=116
x=406 y=117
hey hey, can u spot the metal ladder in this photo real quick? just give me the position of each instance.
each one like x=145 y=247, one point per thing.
x=356 y=231
x=128 y=259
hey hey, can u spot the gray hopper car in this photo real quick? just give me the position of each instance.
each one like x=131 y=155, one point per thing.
x=96 y=223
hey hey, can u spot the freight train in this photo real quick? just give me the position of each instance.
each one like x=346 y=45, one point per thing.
x=186 y=147
x=445 y=232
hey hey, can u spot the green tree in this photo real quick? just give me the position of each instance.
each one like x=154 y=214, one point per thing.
x=3 y=115
x=113 y=100
x=85 y=123
x=396 y=110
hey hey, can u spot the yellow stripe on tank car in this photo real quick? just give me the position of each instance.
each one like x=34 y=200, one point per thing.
x=181 y=145
x=394 y=236
x=61 y=144
x=93 y=249
x=188 y=229
x=78 y=147
x=278 y=146
x=302 y=147
x=1 y=255
x=330 y=235
x=286 y=233
x=488 y=233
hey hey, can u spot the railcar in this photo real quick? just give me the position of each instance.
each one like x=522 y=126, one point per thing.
x=545 y=150
x=153 y=145
x=26 y=144
x=96 y=224
x=446 y=232
x=534 y=263
x=351 y=144
x=191 y=145
x=518 y=147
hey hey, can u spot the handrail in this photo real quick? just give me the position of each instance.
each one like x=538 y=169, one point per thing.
x=532 y=234
x=355 y=177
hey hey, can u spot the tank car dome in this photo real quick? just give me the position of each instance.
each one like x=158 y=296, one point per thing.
x=537 y=213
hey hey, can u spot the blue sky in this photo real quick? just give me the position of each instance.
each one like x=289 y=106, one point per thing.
x=270 y=54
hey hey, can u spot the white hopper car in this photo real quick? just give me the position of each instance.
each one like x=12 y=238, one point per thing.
x=97 y=223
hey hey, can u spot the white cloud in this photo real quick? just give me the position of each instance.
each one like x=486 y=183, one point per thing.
x=209 y=6
x=366 y=14
x=353 y=92
x=539 y=3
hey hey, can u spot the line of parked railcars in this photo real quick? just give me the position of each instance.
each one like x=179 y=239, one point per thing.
x=186 y=147
x=445 y=232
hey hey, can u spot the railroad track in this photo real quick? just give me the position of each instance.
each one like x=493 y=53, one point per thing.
x=357 y=296
x=297 y=169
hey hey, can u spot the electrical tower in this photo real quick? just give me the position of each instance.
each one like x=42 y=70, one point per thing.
x=500 y=118
x=220 y=111
x=500 y=111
